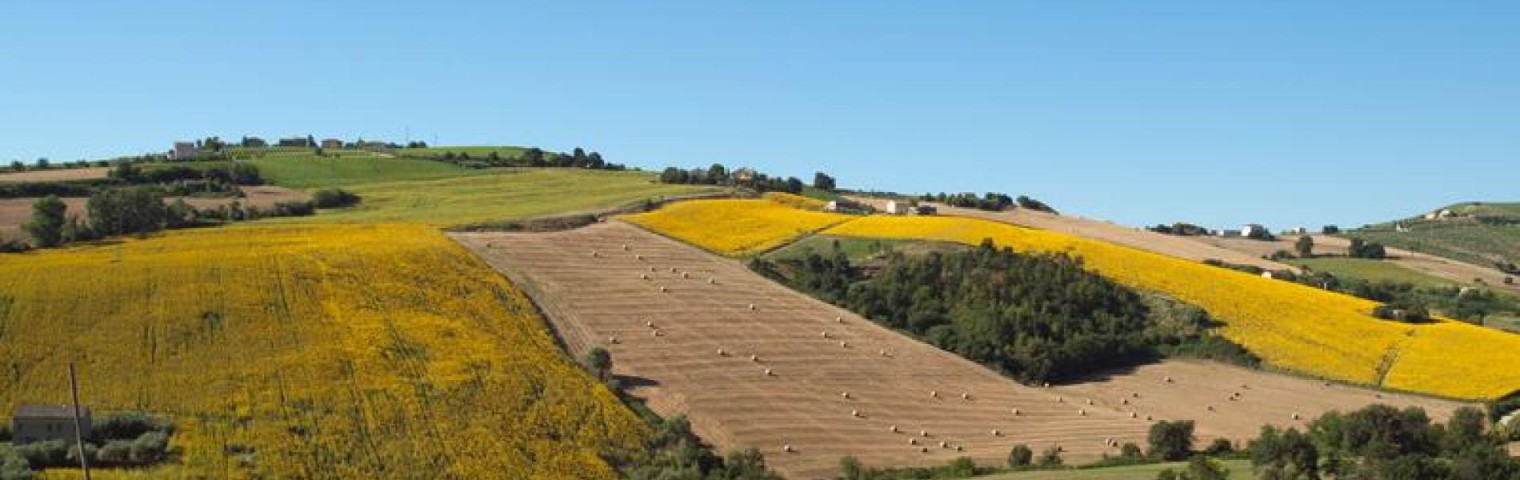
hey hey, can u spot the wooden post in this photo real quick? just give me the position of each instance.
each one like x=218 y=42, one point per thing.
x=84 y=460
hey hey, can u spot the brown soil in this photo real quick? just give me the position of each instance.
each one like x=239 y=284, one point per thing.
x=55 y=175
x=592 y=298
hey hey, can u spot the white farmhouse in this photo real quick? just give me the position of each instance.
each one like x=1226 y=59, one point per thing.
x=184 y=151
x=895 y=207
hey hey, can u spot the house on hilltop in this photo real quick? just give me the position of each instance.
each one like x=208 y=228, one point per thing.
x=895 y=207
x=184 y=151
x=331 y=144
x=41 y=423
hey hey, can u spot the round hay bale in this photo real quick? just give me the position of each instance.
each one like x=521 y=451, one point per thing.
x=844 y=394
x=1015 y=412
x=824 y=334
x=1047 y=384
x=754 y=358
x=1148 y=418
x=1124 y=401
x=958 y=448
x=1089 y=401
x=1168 y=379
x=996 y=433
x=655 y=333
x=712 y=280
x=594 y=254
x=651 y=269
x=1082 y=412
x=923 y=433
x=649 y=323
x=1133 y=414
x=664 y=290
x=942 y=444
x=639 y=258
x=673 y=270
x=844 y=344
x=855 y=413
x=685 y=275
x=612 y=340
x=752 y=307
x=625 y=247
x=884 y=353
x=1296 y=416
x=1060 y=399
x=892 y=429
x=934 y=394
x=838 y=319
x=643 y=276
x=965 y=396
x=786 y=448
x=912 y=441
x=923 y=449
x=722 y=353
x=769 y=373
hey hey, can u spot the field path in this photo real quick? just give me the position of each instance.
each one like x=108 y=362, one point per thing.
x=592 y=298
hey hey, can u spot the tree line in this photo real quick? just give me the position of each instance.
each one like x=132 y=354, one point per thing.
x=141 y=211
x=532 y=157
x=1034 y=317
x=990 y=201
x=718 y=174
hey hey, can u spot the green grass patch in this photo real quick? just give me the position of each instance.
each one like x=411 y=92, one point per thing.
x=499 y=195
x=306 y=170
x=859 y=249
x=1237 y=468
x=472 y=151
x=1370 y=270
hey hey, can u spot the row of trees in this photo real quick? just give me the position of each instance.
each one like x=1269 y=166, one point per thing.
x=141 y=210
x=991 y=201
x=126 y=439
x=532 y=157
x=1035 y=317
x=1381 y=442
x=718 y=174
x=1364 y=249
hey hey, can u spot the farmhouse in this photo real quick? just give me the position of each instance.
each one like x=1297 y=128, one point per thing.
x=1253 y=230
x=1229 y=233
x=184 y=151
x=40 y=423
x=895 y=207
x=331 y=144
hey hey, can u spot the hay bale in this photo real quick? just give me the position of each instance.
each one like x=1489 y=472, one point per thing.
x=1082 y=412
x=1015 y=412
x=1168 y=379
x=752 y=307
x=1211 y=408
x=1148 y=418
x=892 y=429
x=673 y=270
x=965 y=396
x=1133 y=414
x=712 y=280
x=838 y=319
x=996 y=433
x=844 y=344
x=934 y=393
x=912 y=441
x=786 y=448
x=884 y=353
x=824 y=334
x=1296 y=416
x=923 y=433
x=942 y=444
x=722 y=353
x=754 y=358
x=643 y=276
x=656 y=333
x=685 y=275
x=641 y=258
x=958 y=448
x=594 y=254
x=1060 y=399
x=664 y=290
x=844 y=394
x=612 y=340
x=769 y=373
x=923 y=450
x=625 y=247
x=1124 y=401
x=1089 y=402
x=855 y=413
x=649 y=323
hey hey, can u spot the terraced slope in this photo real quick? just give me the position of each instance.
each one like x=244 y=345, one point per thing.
x=665 y=310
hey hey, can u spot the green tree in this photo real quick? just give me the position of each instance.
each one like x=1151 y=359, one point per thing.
x=126 y=210
x=599 y=360
x=1020 y=456
x=1201 y=467
x=850 y=468
x=823 y=181
x=1171 y=441
x=48 y=218
x=1305 y=246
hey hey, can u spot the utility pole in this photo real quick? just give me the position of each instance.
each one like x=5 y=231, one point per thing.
x=84 y=460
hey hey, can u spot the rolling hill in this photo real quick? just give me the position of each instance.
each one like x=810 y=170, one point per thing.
x=1475 y=232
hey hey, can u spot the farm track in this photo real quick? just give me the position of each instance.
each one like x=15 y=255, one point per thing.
x=593 y=298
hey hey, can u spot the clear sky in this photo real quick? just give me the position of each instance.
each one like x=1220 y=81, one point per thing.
x=1220 y=112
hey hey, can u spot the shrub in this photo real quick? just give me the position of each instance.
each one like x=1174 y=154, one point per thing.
x=149 y=448
x=961 y=467
x=13 y=466
x=127 y=426
x=1219 y=447
x=40 y=455
x=1171 y=441
x=48 y=218
x=1020 y=456
x=14 y=246
x=293 y=209
x=1051 y=457
x=1131 y=451
x=1508 y=280
x=333 y=198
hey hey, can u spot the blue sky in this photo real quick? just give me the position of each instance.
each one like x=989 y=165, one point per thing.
x=1284 y=112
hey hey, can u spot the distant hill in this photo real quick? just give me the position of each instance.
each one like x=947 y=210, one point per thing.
x=1480 y=233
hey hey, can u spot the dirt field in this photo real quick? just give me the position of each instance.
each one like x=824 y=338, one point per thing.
x=593 y=298
x=1142 y=239
x=1459 y=272
x=54 y=175
x=16 y=211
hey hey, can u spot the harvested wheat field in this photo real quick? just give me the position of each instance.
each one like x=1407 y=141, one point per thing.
x=666 y=310
x=55 y=175
x=1180 y=247
x=1453 y=270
